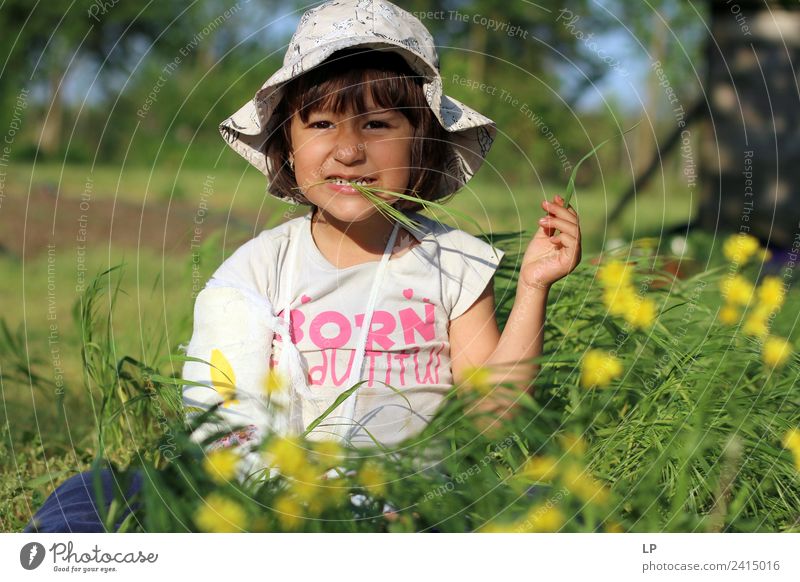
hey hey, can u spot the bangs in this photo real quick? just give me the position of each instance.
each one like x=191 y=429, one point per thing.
x=348 y=79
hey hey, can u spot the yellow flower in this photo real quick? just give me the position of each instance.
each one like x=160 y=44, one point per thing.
x=756 y=324
x=776 y=351
x=736 y=289
x=540 y=468
x=573 y=444
x=328 y=453
x=290 y=512
x=614 y=527
x=305 y=484
x=771 y=293
x=480 y=379
x=619 y=300
x=582 y=484
x=218 y=514
x=729 y=315
x=223 y=378
x=739 y=248
x=615 y=274
x=274 y=382
x=641 y=313
x=499 y=527
x=599 y=368
x=372 y=478
x=791 y=440
x=220 y=465
x=542 y=518
x=287 y=454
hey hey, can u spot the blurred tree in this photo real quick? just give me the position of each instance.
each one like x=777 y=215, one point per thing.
x=750 y=153
x=43 y=41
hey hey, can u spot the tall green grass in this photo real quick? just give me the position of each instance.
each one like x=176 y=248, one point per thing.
x=687 y=440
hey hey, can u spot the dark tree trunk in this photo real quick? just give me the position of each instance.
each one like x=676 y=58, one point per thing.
x=750 y=155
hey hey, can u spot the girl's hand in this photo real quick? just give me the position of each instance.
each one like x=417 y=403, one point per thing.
x=549 y=258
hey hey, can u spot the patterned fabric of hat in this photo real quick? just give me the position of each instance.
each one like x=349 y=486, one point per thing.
x=341 y=24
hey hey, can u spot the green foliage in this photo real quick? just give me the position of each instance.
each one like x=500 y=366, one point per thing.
x=687 y=440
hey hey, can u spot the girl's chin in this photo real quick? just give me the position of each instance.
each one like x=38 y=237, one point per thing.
x=351 y=213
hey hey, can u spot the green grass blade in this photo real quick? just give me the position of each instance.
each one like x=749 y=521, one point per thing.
x=571 y=184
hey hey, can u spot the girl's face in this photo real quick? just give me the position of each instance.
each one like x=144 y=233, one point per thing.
x=373 y=146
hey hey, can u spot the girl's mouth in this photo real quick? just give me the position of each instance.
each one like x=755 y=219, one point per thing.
x=343 y=186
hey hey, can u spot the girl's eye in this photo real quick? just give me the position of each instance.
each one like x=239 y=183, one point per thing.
x=320 y=124
x=376 y=124
x=372 y=124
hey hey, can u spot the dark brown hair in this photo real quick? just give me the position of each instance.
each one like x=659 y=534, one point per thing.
x=340 y=85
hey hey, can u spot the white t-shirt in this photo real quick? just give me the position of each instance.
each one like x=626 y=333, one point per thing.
x=407 y=361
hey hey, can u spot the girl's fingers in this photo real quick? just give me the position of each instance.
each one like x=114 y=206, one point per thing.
x=561 y=212
x=551 y=222
x=565 y=239
x=559 y=200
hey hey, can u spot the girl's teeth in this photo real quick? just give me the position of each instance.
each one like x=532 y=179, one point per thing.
x=341 y=182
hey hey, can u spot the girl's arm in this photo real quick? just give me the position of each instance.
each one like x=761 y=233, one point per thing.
x=475 y=340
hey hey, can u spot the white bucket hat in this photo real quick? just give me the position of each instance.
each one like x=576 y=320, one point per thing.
x=341 y=24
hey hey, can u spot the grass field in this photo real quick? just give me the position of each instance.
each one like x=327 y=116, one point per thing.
x=55 y=397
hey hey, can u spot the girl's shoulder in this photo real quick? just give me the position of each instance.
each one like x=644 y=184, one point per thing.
x=454 y=244
x=281 y=234
x=253 y=264
x=466 y=263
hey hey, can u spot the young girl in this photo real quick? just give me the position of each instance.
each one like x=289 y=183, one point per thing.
x=358 y=299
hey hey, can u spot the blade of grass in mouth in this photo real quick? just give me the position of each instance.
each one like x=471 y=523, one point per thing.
x=392 y=213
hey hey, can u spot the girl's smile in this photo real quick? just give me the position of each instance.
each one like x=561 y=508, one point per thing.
x=340 y=184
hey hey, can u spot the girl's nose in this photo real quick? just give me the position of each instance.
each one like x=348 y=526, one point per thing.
x=349 y=148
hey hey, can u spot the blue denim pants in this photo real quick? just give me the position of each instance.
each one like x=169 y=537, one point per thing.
x=72 y=507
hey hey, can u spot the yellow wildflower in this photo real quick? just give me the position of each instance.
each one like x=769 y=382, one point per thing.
x=274 y=382
x=287 y=454
x=736 y=289
x=614 y=527
x=756 y=324
x=305 y=483
x=499 y=527
x=729 y=315
x=540 y=468
x=771 y=293
x=543 y=518
x=582 y=484
x=599 y=368
x=290 y=512
x=573 y=444
x=372 y=478
x=739 y=248
x=480 y=379
x=641 y=313
x=615 y=274
x=776 y=351
x=223 y=378
x=328 y=453
x=791 y=440
x=218 y=514
x=220 y=465
x=619 y=300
